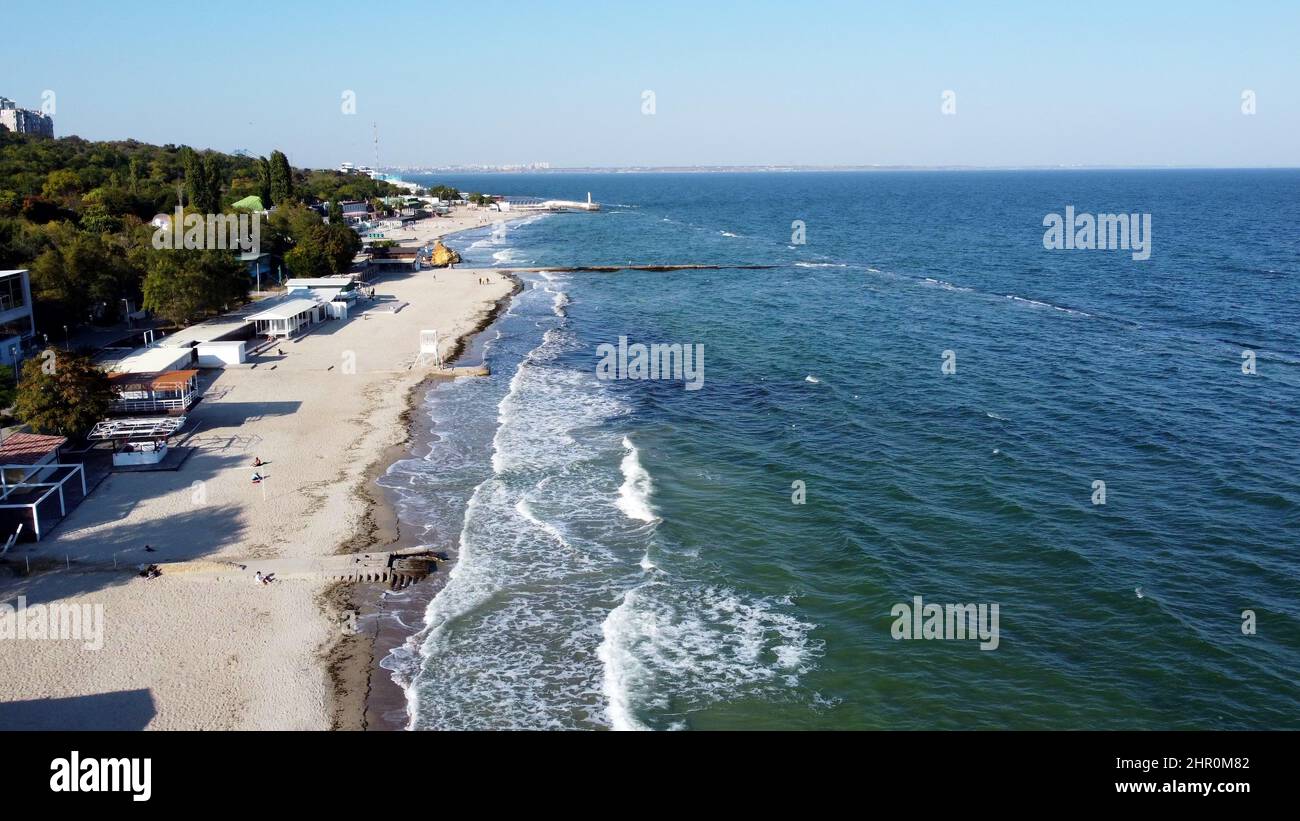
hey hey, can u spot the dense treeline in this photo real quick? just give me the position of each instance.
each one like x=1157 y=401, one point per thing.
x=77 y=214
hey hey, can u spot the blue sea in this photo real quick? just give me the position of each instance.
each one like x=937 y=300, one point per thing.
x=633 y=554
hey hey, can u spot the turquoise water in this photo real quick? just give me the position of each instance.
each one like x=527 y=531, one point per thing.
x=631 y=556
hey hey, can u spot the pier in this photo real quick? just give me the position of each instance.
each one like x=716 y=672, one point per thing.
x=539 y=204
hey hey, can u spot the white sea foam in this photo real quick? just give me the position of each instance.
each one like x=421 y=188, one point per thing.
x=634 y=494
x=560 y=302
x=623 y=671
x=551 y=403
x=1037 y=304
x=532 y=219
x=702 y=644
x=507 y=256
x=525 y=509
x=947 y=286
x=510 y=641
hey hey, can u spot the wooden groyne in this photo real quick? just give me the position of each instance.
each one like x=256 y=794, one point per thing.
x=461 y=370
x=398 y=569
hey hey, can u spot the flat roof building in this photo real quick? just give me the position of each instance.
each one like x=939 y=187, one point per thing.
x=288 y=318
x=155 y=359
x=17 y=325
x=24 y=120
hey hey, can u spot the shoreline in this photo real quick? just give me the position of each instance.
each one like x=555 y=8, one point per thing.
x=362 y=696
x=329 y=412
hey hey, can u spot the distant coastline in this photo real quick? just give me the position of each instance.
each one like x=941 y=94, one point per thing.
x=771 y=169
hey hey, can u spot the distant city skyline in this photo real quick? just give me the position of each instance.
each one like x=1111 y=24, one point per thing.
x=580 y=85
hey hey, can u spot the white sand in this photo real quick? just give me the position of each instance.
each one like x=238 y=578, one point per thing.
x=194 y=653
x=461 y=218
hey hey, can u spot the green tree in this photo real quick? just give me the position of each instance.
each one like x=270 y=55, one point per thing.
x=310 y=247
x=79 y=275
x=184 y=285
x=194 y=180
x=281 y=179
x=309 y=256
x=323 y=250
x=342 y=244
x=62 y=186
x=10 y=203
x=63 y=394
x=213 y=178
x=264 y=181
x=8 y=390
x=204 y=177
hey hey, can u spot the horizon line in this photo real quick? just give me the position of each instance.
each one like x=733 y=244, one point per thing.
x=777 y=167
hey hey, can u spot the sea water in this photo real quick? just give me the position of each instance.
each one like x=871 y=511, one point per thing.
x=918 y=398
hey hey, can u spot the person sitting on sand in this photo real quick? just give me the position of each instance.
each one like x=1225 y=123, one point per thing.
x=257 y=478
x=257 y=462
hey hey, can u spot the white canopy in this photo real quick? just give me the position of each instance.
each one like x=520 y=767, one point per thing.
x=156 y=428
x=285 y=310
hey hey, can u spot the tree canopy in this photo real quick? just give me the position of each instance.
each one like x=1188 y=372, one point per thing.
x=184 y=285
x=62 y=393
x=76 y=213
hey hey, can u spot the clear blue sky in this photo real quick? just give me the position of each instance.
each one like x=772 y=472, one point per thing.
x=1037 y=83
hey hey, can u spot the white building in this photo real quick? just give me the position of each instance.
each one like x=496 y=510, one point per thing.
x=24 y=121
x=152 y=359
x=16 y=323
x=289 y=317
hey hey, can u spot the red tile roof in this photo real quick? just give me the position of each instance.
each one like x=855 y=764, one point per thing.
x=154 y=381
x=28 y=448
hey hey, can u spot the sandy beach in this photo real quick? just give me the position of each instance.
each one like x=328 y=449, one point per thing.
x=188 y=651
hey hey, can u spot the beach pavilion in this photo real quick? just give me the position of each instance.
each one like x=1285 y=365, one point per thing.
x=166 y=392
x=288 y=318
x=137 y=441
